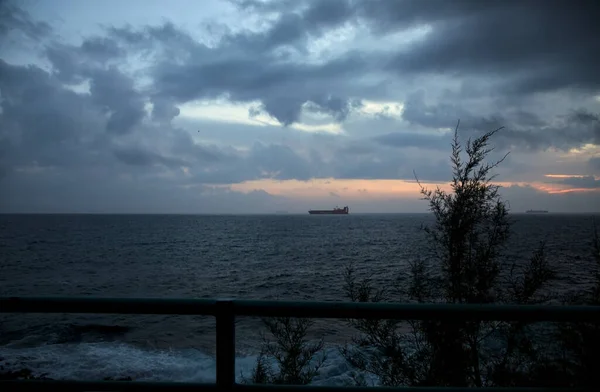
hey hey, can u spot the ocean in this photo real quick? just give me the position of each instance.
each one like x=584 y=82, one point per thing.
x=293 y=257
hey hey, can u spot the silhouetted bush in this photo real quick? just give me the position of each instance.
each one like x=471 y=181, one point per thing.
x=297 y=362
x=466 y=245
x=464 y=264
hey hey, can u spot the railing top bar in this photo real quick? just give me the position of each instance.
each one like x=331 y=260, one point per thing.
x=298 y=309
x=319 y=388
x=39 y=385
x=182 y=306
x=415 y=311
x=78 y=386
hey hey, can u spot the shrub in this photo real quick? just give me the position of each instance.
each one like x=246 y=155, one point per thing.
x=466 y=241
x=296 y=358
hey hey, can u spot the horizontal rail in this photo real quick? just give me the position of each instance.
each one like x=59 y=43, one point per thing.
x=52 y=385
x=344 y=310
x=36 y=385
x=318 y=388
x=107 y=305
x=225 y=311
x=364 y=310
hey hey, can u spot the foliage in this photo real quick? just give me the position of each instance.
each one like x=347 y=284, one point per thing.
x=466 y=244
x=467 y=241
x=380 y=349
x=295 y=357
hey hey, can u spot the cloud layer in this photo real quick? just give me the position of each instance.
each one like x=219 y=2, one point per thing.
x=327 y=88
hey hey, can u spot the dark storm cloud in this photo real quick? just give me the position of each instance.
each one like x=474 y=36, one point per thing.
x=14 y=19
x=588 y=182
x=72 y=64
x=563 y=135
x=357 y=148
x=136 y=156
x=535 y=45
x=66 y=63
x=588 y=125
x=523 y=130
x=391 y=164
x=569 y=131
x=190 y=70
x=265 y=7
x=298 y=20
x=419 y=140
x=101 y=49
x=538 y=46
x=42 y=121
x=45 y=125
x=289 y=30
x=47 y=193
x=587 y=118
x=249 y=66
x=283 y=108
x=280 y=160
x=184 y=146
x=283 y=88
x=272 y=161
x=110 y=88
x=156 y=43
x=114 y=91
x=440 y=115
x=528 y=46
x=164 y=110
x=594 y=164
x=337 y=107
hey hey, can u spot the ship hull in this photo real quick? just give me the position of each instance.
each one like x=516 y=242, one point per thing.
x=327 y=212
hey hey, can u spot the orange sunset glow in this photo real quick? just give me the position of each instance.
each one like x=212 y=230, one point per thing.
x=350 y=189
x=361 y=189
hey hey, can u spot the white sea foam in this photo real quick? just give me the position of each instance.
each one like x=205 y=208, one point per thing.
x=95 y=361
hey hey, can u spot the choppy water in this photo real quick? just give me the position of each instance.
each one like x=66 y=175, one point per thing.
x=261 y=257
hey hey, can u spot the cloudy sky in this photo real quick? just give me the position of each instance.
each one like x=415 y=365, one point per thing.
x=257 y=106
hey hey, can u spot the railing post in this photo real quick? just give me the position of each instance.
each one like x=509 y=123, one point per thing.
x=225 y=345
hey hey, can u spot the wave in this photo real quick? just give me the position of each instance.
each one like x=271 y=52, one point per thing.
x=97 y=361
x=63 y=333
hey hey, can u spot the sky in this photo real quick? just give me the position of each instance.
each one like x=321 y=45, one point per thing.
x=254 y=106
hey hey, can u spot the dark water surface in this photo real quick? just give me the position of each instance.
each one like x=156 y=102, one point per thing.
x=261 y=257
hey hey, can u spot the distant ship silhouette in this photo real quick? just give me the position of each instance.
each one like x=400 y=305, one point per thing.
x=335 y=211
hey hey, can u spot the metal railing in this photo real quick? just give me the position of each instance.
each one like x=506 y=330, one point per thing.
x=225 y=311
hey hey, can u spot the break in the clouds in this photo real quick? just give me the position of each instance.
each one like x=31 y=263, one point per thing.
x=269 y=105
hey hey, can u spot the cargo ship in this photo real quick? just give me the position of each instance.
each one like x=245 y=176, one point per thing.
x=536 y=211
x=335 y=211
